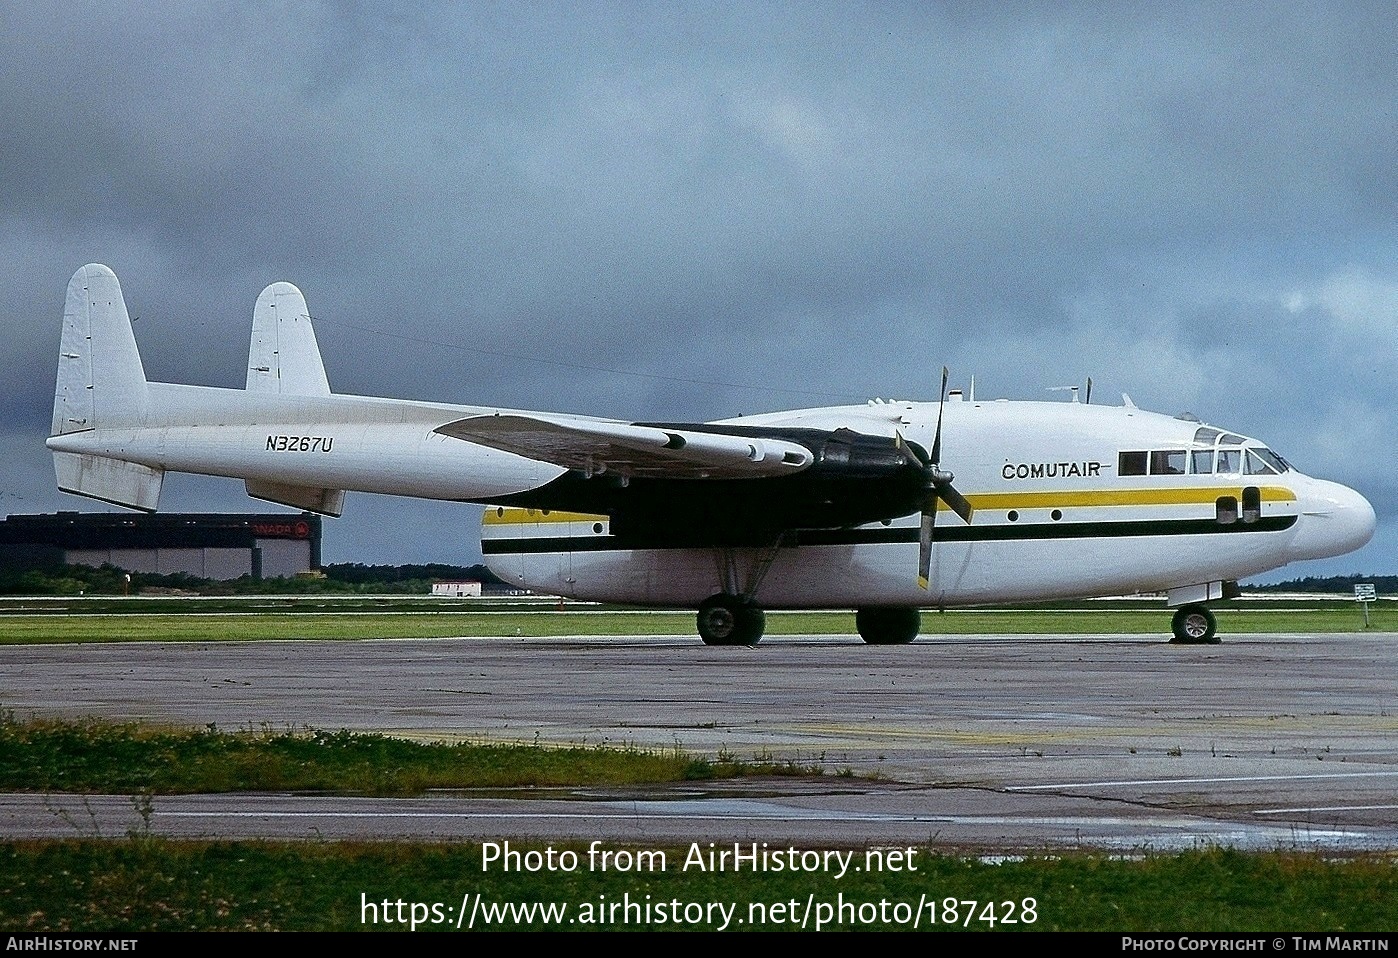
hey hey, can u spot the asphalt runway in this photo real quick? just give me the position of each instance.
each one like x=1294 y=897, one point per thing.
x=993 y=743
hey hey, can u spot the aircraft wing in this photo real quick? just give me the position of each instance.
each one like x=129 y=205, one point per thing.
x=597 y=446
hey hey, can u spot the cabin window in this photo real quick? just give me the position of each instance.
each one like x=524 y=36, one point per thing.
x=1252 y=504
x=1230 y=462
x=1131 y=464
x=1226 y=510
x=1202 y=462
x=1168 y=462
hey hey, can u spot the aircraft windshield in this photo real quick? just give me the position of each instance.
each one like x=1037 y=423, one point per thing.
x=1226 y=457
x=1215 y=452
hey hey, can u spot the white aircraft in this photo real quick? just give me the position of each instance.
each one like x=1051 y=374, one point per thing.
x=837 y=507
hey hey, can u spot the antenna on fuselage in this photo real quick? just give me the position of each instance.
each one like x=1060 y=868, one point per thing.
x=1059 y=389
x=1088 y=398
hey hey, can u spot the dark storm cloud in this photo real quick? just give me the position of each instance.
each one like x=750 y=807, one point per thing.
x=1195 y=204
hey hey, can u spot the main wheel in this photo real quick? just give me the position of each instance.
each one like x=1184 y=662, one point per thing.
x=885 y=626
x=725 y=619
x=1194 y=625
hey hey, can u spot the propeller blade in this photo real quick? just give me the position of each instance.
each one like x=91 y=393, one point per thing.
x=957 y=501
x=936 y=458
x=924 y=546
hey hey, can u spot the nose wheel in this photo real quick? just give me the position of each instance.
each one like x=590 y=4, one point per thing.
x=727 y=619
x=1194 y=625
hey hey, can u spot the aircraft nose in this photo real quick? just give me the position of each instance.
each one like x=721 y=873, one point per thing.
x=1334 y=520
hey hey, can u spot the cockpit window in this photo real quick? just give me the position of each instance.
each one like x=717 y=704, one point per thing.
x=1261 y=462
x=1222 y=453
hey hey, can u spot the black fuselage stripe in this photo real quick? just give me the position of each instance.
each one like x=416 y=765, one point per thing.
x=904 y=534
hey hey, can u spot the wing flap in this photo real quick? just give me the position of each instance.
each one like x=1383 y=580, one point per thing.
x=597 y=446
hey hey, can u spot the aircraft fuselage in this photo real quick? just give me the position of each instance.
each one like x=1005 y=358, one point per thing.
x=887 y=507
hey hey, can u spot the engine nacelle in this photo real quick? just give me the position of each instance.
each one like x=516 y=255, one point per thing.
x=853 y=479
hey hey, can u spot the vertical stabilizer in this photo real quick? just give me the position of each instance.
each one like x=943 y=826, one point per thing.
x=100 y=377
x=101 y=384
x=284 y=356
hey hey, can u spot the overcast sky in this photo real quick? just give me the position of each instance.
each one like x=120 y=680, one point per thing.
x=696 y=210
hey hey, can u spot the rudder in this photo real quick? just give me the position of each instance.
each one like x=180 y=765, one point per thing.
x=101 y=383
x=284 y=358
x=101 y=380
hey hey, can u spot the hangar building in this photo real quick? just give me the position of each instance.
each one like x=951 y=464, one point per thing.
x=207 y=545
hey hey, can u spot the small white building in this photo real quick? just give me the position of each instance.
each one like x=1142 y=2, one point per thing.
x=456 y=590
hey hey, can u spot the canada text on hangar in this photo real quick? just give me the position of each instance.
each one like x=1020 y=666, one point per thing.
x=299 y=529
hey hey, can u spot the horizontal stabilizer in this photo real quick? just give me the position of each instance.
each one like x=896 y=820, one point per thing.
x=597 y=446
x=327 y=502
x=110 y=480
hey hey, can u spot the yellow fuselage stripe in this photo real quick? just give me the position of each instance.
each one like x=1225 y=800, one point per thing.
x=991 y=501
x=501 y=516
x=1186 y=496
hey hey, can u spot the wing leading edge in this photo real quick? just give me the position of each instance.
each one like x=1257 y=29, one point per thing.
x=596 y=447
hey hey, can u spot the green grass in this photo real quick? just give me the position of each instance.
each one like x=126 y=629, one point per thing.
x=146 y=884
x=198 y=626
x=94 y=757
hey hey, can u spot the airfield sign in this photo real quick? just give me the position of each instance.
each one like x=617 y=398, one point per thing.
x=1364 y=592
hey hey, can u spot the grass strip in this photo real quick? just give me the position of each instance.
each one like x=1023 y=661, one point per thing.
x=51 y=628
x=148 y=884
x=101 y=757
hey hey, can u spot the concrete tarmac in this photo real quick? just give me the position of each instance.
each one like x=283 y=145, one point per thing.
x=993 y=743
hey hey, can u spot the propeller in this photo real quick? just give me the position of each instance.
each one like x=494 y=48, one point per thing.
x=937 y=484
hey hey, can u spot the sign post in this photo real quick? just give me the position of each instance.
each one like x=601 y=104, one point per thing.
x=1364 y=592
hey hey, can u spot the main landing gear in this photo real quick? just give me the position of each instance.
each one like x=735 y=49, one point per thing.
x=888 y=626
x=1194 y=625
x=733 y=617
x=726 y=619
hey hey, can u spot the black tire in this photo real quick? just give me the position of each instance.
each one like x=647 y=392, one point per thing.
x=725 y=619
x=1194 y=625
x=754 y=622
x=888 y=626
